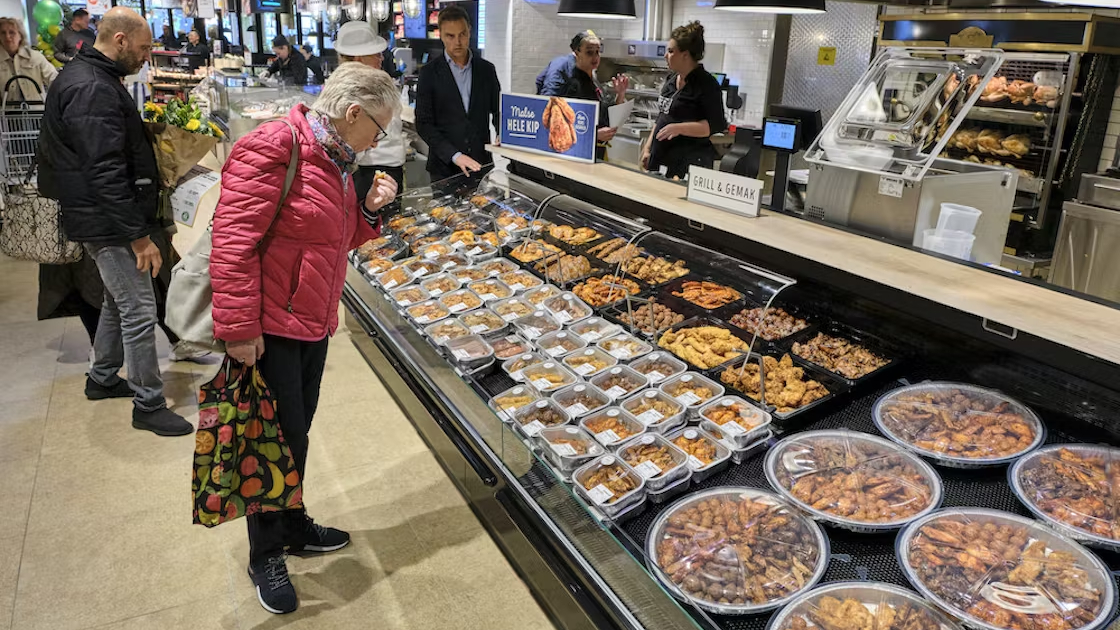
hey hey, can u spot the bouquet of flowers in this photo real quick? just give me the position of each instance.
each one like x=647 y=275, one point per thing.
x=181 y=136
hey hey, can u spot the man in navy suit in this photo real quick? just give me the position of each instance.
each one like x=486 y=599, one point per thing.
x=457 y=101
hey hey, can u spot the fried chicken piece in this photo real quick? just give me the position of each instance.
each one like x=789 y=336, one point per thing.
x=989 y=141
x=786 y=386
x=564 y=268
x=703 y=346
x=560 y=118
x=709 y=295
x=965 y=139
x=655 y=270
x=573 y=235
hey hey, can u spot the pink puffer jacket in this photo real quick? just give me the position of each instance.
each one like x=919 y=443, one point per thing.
x=290 y=285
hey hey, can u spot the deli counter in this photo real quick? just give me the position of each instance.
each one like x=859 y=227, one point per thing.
x=669 y=420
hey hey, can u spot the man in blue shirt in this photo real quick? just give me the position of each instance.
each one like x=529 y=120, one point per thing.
x=457 y=99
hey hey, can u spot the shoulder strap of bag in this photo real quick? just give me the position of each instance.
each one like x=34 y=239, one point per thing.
x=293 y=166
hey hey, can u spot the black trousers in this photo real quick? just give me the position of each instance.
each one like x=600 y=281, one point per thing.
x=293 y=371
x=363 y=181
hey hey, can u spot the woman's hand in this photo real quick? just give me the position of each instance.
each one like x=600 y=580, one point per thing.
x=247 y=351
x=604 y=134
x=645 y=159
x=668 y=132
x=620 y=83
x=383 y=192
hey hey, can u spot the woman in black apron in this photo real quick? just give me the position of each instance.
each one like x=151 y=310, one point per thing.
x=691 y=109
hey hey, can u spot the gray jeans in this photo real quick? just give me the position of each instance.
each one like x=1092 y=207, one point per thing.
x=127 y=329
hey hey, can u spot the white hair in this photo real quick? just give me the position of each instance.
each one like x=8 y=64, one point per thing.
x=358 y=84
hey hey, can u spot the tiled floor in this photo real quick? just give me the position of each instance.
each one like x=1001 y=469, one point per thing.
x=95 y=522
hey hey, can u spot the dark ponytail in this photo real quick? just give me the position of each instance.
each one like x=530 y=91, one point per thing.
x=690 y=37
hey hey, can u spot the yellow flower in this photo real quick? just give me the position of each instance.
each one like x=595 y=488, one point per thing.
x=193 y=124
x=216 y=130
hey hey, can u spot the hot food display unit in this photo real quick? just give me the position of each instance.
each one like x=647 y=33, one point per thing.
x=666 y=425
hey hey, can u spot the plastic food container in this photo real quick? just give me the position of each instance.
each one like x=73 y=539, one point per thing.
x=535 y=324
x=656 y=410
x=568 y=308
x=594 y=329
x=484 y=322
x=443 y=331
x=471 y=353
x=491 y=289
x=481 y=251
x=510 y=346
x=707 y=455
x=460 y=301
x=581 y=399
x=912 y=416
x=467 y=274
x=739 y=454
x=559 y=343
x=421 y=267
x=514 y=398
x=625 y=347
x=538 y=295
x=407 y=296
x=548 y=376
x=497 y=267
x=537 y=415
x=567 y=448
x=453 y=260
x=656 y=459
x=1073 y=487
x=853 y=480
x=619 y=381
x=610 y=485
x=612 y=426
x=691 y=390
x=883 y=606
x=658 y=366
x=519 y=280
x=589 y=361
x=427 y=312
x=435 y=250
x=512 y=308
x=741 y=422
x=689 y=551
x=991 y=591
x=515 y=366
x=441 y=283
x=377 y=266
x=398 y=276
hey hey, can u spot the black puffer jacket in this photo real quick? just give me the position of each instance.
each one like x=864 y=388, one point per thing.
x=94 y=155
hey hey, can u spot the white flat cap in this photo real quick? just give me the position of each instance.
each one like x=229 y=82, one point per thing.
x=358 y=39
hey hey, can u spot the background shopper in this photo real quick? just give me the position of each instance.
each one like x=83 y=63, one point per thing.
x=17 y=58
x=74 y=37
x=277 y=276
x=314 y=63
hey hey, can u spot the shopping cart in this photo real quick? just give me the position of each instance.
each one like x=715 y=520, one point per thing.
x=19 y=133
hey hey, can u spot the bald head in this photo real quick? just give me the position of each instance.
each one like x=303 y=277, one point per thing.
x=122 y=20
x=125 y=37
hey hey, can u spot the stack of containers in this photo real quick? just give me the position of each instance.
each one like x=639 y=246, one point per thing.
x=955 y=231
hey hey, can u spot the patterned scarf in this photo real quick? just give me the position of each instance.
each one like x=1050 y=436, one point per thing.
x=328 y=137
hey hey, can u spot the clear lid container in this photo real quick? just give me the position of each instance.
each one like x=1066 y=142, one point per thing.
x=772 y=323
x=1000 y=571
x=902 y=112
x=717 y=550
x=461 y=301
x=691 y=389
x=625 y=347
x=435 y=250
x=510 y=346
x=567 y=308
x=421 y=267
x=581 y=399
x=853 y=480
x=467 y=274
x=568 y=447
x=537 y=415
x=462 y=239
x=860 y=606
x=548 y=376
x=658 y=366
x=560 y=342
x=741 y=421
x=514 y=398
x=471 y=352
x=481 y=251
x=537 y=295
x=959 y=425
x=519 y=280
x=453 y=261
x=443 y=331
x=441 y=283
x=398 y=276
x=608 y=482
x=535 y=324
x=1075 y=488
x=649 y=318
x=408 y=295
x=607 y=289
x=594 y=329
x=491 y=289
x=497 y=266
x=704 y=451
x=483 y=322
x=656 y=459
x=516 y=365
x=655 y=409
x=619 y=381
x=378 y=266
x=612 y=426
x=417 y=231
x=512 y=308
x=427 y=312
x=531 y=250
x=589 y=361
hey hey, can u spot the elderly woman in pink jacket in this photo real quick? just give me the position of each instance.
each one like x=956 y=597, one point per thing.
x=277 y=275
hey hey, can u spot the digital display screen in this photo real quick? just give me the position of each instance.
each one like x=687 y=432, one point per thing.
x=779 y=135
x=416 y=28
x=269 y=6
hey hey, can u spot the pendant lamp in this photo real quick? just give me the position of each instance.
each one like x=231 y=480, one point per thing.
x=413 y=8
x=378 y=10
x=1107 y=4
x=334 y=13
x=771 y=6
x=598 y=9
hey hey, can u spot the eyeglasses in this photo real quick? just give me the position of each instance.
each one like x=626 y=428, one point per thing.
x=381 y=133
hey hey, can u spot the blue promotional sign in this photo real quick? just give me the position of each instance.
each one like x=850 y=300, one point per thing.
x=564 y=127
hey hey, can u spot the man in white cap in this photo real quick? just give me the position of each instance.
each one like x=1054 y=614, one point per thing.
x=358 y=42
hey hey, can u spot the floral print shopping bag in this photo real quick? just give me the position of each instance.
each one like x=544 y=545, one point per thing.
x=241 y=463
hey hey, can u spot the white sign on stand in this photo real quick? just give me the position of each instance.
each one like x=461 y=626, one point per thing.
x=189 y=191
x=725 y=191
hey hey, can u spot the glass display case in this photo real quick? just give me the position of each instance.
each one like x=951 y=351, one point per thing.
x=624 y=418
x=243 y=102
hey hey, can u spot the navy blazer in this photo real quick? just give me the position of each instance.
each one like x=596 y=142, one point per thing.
x=442 y=122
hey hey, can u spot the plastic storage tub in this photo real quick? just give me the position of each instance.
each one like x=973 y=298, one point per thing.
x=491 y=289
x=655 y=409
x=427 y=312
x=612 y=426
x=581 y=399
x=610 y=485
x=741 y=422
x=548 y=376
x=535 y=324
x=460 y=301
x=537 y=415
x=656 y=459
x=883 y=606
x=512 y=308
x=707 y=455
x=589 y=361
x=593 y=329
x=567 y=308
x=514 y=398
x=658 y=366
x=625 y=347
x=619 y=381
x=559 y=343
x=958 y=218
x=567 y=448
x=515 y=366
x=441 y=283
x=691 y=390
x=443 y=331
x=484 y=322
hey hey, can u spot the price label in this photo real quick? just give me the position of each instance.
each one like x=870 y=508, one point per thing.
x=509 y=317
x=563 y=317
x=591 y=336
x=390 y=284
x=616 y=392
x=436 y=292
x=600 y=494
x=542 y=383
x=474 y=251
x=447 y=265
x=585 y=369
x=509 y=227
x=695 y=463
x=608 y=437
x=556 y=351
x=577 y=409
x=733 y=428
x=655 y=376
x=421 y=272
x=455 y=308
x=442 y=339
x=564 y=450
x=516 y=375
x=431 y=254
x=517 y=286
x=477 y=328
x=502 y=415
x=652 y=416
x=648 y=469
x=423 y=319
x=533 y=428
x=688 y=399
x=532 y=332
x=458 y=244
x=891 y=186
x=621 y=353
x=462 y=355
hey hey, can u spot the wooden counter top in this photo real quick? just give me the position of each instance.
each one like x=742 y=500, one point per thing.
x=1070 y=321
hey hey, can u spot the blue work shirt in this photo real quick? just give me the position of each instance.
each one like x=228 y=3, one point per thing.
x=463 y=77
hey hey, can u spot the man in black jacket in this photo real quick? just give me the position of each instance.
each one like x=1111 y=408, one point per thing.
x=96 y=160
x=457 y=101
x=76 y=35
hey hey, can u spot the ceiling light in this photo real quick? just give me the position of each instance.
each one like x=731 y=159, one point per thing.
x=771 y=6
x=378 y=10
x=412 y=8
x=598 y=9
x=1107 y=4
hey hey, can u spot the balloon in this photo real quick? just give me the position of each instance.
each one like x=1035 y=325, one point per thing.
x=54 y=29
x=47 y=12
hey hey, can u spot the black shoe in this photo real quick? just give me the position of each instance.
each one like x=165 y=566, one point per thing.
x=274 y=590
x=319 y=539
x=97 y=391
x=161 y=422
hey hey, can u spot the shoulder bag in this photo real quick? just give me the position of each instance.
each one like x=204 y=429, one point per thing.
x=33 y=227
